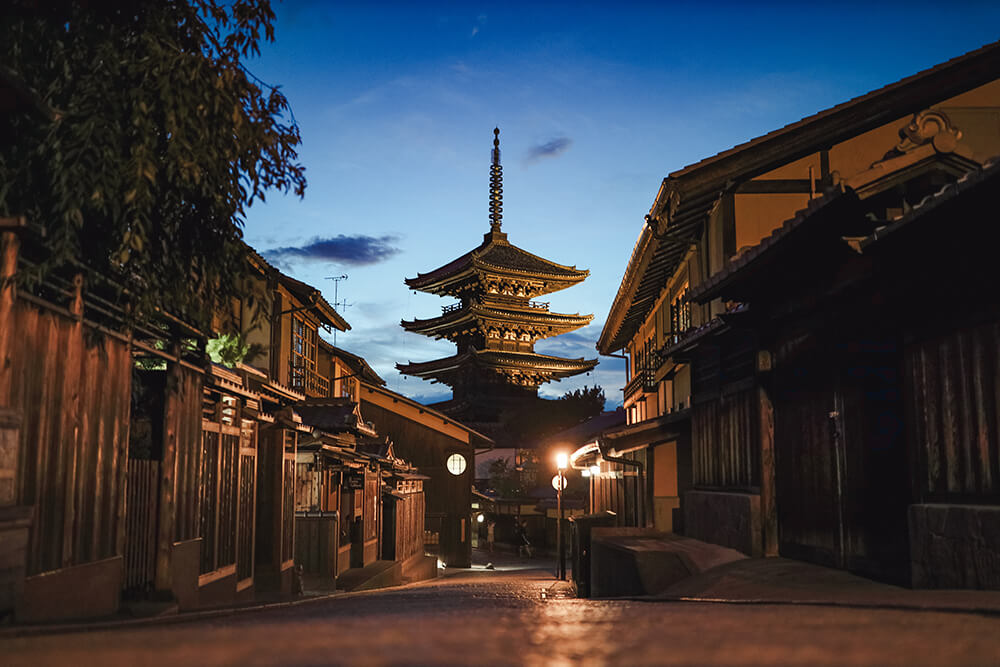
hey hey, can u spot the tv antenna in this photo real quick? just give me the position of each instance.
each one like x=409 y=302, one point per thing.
x=339 y=306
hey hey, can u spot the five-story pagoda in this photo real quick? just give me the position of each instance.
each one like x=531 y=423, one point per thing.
x=496 y=322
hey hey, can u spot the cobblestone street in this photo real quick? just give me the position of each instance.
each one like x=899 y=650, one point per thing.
x=511 y=616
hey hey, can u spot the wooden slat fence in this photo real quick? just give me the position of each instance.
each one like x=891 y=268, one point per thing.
x=953 y=406
x=725 y=441
x=141 y=513
x=72 y=384
x=246 y=507
x=410 y=525
x=184 y=421
x=220 y=488
x=288 y=507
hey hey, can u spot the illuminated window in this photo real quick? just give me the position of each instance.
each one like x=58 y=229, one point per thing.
x=456 y=464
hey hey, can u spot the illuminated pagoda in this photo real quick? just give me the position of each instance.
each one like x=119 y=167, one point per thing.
x=496 y=322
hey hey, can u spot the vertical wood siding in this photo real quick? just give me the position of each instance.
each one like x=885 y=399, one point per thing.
x=725 y=441
x=72 y=385
x=185 y=423
x=807 y=487
x=288 y=508
x=140 y=524
x=953 y=405
x=246 y=507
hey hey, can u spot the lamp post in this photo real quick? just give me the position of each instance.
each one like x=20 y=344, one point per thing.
x=562 y=461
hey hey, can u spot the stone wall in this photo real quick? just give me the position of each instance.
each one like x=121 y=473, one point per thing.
x=955 y=546
x=729 y=519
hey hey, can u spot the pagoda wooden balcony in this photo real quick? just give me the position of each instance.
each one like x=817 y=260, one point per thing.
x=451 y=308
x=539 y=305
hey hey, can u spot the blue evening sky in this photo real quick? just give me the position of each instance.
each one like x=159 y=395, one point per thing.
x=596 y=103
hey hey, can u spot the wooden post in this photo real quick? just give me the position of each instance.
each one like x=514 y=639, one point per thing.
x=75 y=429
x=768 y=504
x=8 y=267
x=172 y=405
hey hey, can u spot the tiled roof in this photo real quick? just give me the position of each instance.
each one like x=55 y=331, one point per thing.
x=707 y=290
x=309 y=295
x=507 y=256
x=695 y=187
x=989 y=171
x=710 y=289
x=527 y=316
x=357 y=364
x=496 y=253
x=332 y=415
x=527 y=360
x=961 y=60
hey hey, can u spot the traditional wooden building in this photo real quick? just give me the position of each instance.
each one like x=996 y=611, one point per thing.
x=883 y=379
x=496 y=323
x=338 y=491
x=443 y=450
x=357 y=501
x=758 y=480
x=64 y=403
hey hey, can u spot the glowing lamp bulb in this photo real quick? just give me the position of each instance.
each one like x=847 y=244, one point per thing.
x=562 y=460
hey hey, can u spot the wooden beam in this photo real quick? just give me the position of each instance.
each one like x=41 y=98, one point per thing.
x=172 y=407
x=768 y=504
x=770 y=186
x=9 y=246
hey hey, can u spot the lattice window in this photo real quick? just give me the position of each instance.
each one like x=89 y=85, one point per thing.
x=303 y=353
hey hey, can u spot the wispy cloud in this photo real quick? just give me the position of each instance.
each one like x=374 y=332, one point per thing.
x=358 y=250
x=480 y=20
x=552 y=148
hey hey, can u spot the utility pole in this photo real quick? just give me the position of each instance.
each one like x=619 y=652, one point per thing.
x=562 y=462
x=337 y=304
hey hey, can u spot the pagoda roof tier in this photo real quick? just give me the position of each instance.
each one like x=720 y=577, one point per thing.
x=486 y=316
x=497 y=259
x=520 y=368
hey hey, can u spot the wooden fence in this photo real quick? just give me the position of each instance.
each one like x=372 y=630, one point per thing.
x=725 y=441
x=247 y=502
x=141 y=514
x=220 y=483
x=409 y=525
x=72 y=383
x=953 y=406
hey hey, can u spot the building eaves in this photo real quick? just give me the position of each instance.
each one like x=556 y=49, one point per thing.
x=989 y=172
x=714 y=175
x=358 y=365
x=313 y=298
x=497 y=254
x=474 y=434
x=856 y=115
x=710 y=289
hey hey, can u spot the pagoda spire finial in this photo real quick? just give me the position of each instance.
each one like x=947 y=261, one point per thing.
x=496 y=185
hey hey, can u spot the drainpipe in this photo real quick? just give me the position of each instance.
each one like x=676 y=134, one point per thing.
x=640 y=505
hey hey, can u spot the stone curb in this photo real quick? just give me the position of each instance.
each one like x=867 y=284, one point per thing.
x=889 y=606
x=184 y=617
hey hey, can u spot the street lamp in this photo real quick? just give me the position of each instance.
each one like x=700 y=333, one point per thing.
x=562 y=462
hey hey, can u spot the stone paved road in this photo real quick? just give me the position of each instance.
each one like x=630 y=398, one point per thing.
x=501 y=618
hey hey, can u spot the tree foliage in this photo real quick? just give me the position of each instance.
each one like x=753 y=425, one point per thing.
x=535 y=421
x=160 y=140
x=505 y=481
